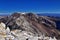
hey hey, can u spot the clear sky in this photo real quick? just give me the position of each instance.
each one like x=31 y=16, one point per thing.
x=9 y=6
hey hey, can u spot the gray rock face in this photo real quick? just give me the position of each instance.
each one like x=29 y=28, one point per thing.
x=25 y=25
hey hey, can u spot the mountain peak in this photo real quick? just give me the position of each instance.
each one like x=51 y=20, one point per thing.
x=30 y=22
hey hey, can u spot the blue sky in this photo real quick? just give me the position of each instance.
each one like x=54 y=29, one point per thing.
x=9 y=6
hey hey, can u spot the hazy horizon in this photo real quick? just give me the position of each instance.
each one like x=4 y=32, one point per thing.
x=42 y=14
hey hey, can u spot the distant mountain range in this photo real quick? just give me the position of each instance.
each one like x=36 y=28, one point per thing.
x=43 y=14
x=50 y=14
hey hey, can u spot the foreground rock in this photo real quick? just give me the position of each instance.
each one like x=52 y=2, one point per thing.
x=2 y=31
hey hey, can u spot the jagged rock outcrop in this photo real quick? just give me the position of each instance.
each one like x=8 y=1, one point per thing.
x=2 y=31
x=33 y=24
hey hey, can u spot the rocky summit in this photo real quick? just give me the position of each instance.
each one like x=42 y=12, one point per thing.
x=28 y=26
